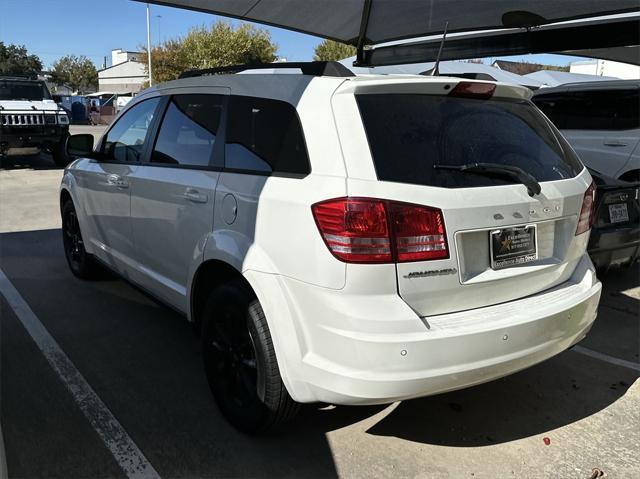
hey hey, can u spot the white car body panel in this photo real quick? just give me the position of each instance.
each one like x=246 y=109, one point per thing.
x=347 y=333
x=28 y=106
x=172 y=216
x=106 y=206
x=611 y=152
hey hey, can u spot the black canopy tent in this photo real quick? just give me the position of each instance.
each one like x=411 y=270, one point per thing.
x=628 y=54
x=600 y=35
x=367 y=23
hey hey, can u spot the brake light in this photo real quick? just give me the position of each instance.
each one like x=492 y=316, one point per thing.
x=585 y=220
x=367 y=230
x=467 y=89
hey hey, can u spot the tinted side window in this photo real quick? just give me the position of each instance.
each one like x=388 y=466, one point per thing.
x=592 y=110
x=125 y=140
x=188 y=130
x=264 y=135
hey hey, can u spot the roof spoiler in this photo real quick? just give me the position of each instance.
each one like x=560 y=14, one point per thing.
x=326 y=69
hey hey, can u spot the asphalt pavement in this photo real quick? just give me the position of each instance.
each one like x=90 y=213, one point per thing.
x=144 y=364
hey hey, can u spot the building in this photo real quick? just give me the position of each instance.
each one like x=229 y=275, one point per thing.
x=126 y=73
x=610 y=68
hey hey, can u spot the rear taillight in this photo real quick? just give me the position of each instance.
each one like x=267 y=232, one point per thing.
x=367 y=230
x=585 y=220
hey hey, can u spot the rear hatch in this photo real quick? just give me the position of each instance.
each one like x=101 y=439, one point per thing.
x=503 y=242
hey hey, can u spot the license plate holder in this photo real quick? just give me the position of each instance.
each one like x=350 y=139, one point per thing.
x=618 y=213
x=513 y=246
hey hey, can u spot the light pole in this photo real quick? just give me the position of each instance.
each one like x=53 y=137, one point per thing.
x=159 y=17
x=149 y=48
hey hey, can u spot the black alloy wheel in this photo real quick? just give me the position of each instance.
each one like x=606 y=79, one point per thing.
x=80 y=262
x=240 y=361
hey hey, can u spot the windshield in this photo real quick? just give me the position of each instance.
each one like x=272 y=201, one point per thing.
x=410 y=133
x=23 y=90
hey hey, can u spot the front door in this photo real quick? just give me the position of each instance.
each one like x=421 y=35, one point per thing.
x=173 y=194
x=106 y=185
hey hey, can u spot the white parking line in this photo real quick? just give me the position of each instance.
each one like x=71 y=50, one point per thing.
x=605 y=357
x=113 y=435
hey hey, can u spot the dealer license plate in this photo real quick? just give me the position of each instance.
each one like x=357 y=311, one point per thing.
x=513 y=246
x=618 y=213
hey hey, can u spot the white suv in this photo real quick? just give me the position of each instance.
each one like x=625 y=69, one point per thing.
x=349 y=240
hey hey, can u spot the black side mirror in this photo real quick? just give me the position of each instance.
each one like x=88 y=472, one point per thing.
x=80 y=145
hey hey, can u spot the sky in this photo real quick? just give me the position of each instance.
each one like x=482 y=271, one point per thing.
x=55 y=28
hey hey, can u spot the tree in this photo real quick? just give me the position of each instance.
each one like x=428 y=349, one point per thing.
x=216 y=46
x=78 y=73
x=329 y=50
x=15 y=60
x=168 y=61
x=222 y=45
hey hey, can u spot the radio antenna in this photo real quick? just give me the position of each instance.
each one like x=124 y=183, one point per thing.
x=436 y=69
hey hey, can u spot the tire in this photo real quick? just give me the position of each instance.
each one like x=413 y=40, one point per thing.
x=240 y=361
x=59 y=152
x=80 y=262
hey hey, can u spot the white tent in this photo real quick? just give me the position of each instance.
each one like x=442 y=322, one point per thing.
x=550 y=78
x=478 y=71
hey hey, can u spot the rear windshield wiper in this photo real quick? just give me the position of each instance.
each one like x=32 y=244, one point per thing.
x=492 y=169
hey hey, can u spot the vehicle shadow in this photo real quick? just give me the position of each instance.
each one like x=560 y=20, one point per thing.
x=557 y=392
x=615 y=285
x=560 y=391
x=145 y=363
x=616 y=332
x=42 y=161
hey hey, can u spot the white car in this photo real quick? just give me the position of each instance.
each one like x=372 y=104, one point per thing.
x=342 y=239
x=601 y=121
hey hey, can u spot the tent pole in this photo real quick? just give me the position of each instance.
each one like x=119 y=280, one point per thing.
x=364 y=23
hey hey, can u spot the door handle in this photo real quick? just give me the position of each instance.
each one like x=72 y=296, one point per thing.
x=116 y=180
x=195 y=196
x=615 y=143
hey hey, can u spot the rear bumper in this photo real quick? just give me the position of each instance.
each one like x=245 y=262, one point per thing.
x=346 y=365
x=614 y=246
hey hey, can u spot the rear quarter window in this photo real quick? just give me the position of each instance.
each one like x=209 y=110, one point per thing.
x=265 y=136
x=410 y=133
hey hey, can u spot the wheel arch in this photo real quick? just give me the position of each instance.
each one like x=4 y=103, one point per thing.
x=210 y=273
x=268 y=291
x=65 y=195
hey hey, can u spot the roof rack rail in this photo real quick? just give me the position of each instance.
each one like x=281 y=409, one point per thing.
x=18 y=77
x=327 y=69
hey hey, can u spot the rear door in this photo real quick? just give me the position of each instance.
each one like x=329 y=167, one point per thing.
x=502 y=244
x=173 y=194
x=602 y=126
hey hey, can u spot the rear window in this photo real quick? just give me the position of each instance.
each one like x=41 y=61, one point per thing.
x=592 y=110
x=410 y=133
